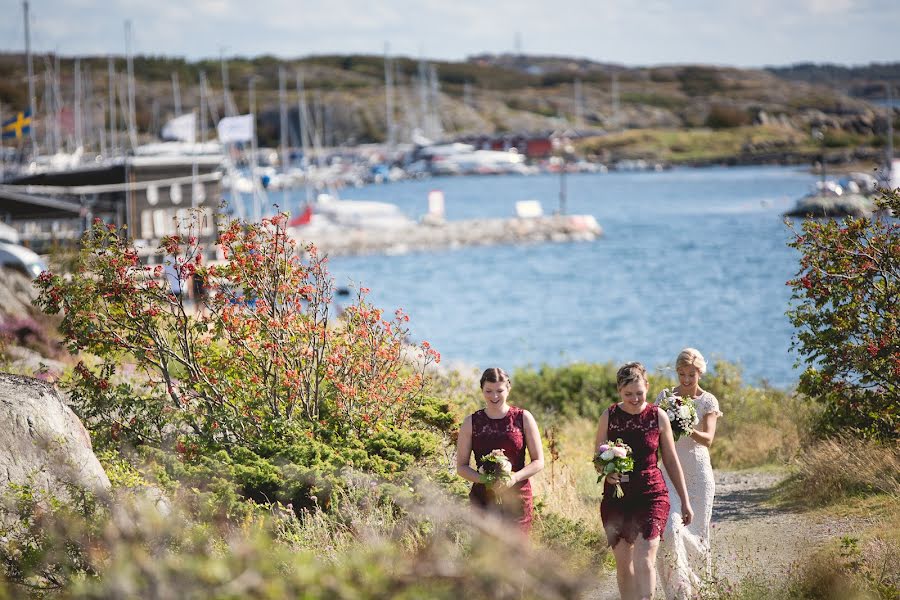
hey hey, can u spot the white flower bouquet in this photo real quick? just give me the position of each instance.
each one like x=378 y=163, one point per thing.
x=613 y=457
x=682 y=413
x=496 y=473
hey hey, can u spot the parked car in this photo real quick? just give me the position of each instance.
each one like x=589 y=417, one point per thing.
x=21 y=259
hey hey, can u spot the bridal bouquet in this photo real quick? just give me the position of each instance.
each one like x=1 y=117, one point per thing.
x=682 y=413
x=613 y=457
x=495 y=468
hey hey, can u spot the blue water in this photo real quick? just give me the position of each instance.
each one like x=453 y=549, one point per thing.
x=688 y=258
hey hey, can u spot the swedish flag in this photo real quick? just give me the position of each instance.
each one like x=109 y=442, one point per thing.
x=18 y=126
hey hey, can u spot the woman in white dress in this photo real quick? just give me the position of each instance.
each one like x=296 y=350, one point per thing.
x=684 y=558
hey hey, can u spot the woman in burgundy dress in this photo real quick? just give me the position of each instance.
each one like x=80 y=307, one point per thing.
x=635 y=522
x=501 y=426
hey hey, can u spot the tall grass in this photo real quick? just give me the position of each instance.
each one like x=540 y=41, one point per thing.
x=761 y=425
x=363 y=550
x=836 y=469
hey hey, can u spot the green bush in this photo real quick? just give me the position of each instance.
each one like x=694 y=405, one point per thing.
x=271 y=399
x=578 y=389
x=699 y=81
x=724 y=117
x=844 y=310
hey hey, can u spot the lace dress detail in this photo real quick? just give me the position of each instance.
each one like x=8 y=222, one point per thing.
x=684 y=557
x=507 y=434
x=645 y=505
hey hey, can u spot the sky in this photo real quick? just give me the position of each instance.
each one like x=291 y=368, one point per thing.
x=742 y=33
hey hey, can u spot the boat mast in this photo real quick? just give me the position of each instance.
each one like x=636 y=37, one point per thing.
x=203 y=117
x=132 y=130
x=304 y=136
x=176 y=93
x=283 y=115
x=615 y=99
x=79 y=126
x=113 y=128
x=30 y=74
x=579 y=105
x=389 y=99
x=890 y=127
x=257 y=200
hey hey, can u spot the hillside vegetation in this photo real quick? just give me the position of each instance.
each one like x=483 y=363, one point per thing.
x=510 y=94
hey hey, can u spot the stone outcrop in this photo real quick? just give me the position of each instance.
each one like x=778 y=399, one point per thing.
x=42 y=442
x=821 y=206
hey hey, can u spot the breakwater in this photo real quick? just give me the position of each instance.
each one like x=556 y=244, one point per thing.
x=451 y=234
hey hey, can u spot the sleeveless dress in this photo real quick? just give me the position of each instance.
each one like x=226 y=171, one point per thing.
x=507 y=434
x=684 y=557
x=644 y=508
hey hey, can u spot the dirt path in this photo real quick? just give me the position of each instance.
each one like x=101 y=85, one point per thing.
x=752 y=538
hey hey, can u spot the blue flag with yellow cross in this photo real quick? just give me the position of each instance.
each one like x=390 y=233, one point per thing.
x=18 y=126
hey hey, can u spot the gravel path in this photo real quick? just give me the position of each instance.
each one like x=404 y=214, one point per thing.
x=752 y=538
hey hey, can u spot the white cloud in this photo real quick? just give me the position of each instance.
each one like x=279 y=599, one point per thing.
x=830 y=7
x=626 y=31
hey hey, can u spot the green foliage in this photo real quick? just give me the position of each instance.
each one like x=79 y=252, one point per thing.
x=362 y=551
x=838 y=138
x=723 y=117
x=845 y=299
x=578 y=389
x=272 y=399
x=652 y=99
x=584 y=544
x=699 y=81
x=32 y=552
x=762 y=425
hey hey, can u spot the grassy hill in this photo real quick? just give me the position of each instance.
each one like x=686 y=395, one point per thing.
x=491 y=94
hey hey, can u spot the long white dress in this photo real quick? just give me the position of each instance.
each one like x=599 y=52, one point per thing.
x=684 y=558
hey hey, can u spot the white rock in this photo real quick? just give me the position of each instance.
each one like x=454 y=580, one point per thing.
x=42 y=442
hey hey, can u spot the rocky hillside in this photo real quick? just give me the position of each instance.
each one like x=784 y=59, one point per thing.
x=486 y=94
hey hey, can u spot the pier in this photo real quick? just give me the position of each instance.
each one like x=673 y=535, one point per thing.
x=452 y=234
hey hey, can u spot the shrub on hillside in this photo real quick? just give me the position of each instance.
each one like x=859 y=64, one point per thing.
x=262 y=388
x=723 y=117
x=699 y=81
x=578 y=389
x=845 y=299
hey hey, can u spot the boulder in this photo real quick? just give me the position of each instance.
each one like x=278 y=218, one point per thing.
x=42 y=442
x=16 y=295
x=825 y=205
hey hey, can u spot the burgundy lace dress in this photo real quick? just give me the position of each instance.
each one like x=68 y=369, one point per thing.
x=507 y=434
x=644 y=508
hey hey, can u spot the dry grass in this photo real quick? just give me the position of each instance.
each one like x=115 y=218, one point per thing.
x=568 y=484
x=835 y=469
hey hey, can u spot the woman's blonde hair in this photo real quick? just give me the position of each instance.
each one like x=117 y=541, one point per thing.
x=629 y=373
x=691 y=357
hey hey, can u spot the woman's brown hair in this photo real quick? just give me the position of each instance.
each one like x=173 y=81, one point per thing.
x=629 y=373
x=494 y=375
